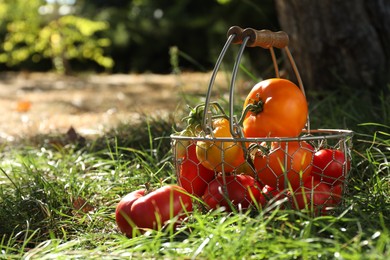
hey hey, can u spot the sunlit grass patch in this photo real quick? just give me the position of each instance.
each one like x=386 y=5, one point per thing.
x=58 y=201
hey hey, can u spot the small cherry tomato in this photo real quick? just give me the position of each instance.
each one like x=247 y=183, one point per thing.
x=271 y=193
x=314 y=196
x=337 y=193
x=240 y=192
x=193 y=176
x=330 y=166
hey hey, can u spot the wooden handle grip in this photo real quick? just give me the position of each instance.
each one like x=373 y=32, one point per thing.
x=265 y=38
x=238 y=34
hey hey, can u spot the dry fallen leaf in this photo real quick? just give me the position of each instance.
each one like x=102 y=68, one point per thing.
x=81 y=204
x=23 y=106
x=73 y=136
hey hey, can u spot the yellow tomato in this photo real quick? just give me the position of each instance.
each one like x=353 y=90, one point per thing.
x=220 y=155
x=246 y=169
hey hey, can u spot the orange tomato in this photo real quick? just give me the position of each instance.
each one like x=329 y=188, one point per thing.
x=290 y=159
x=220 y=155
x=279 y=109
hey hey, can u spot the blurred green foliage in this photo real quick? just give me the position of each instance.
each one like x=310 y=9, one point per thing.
x=71 y=37
x=136 y=34
x=30 y=35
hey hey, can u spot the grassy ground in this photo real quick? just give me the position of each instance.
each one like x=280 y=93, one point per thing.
x=58 y=196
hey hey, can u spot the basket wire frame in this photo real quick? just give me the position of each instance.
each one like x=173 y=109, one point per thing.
x=320 y=138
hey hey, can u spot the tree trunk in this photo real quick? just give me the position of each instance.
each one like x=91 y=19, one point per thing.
x=339 y=43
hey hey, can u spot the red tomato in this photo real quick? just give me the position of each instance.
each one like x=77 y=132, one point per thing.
x=279 y=109
x=193 y=176
x=241 y=191
x=291 y=159
x=153 y=210
x=337 y=193
x=313 y=195
x=330 y=166
x=123 y=212
x=272 y=193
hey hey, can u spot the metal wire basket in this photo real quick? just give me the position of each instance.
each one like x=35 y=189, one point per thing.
x=198 y=181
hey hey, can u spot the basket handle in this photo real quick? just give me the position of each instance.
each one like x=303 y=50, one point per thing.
x=266 y=38
x=237 y=32
x=259 y=38
x=249 y=38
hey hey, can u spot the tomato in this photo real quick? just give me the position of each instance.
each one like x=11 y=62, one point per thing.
x=272 y=193
x=193 y=176
x=241 y=192
x=181 y=145
x=314 y=195
x=181 y=148
x=337 y=193
x=291 y=159
x=246 y=169
x=279 y=109
x=330 y=166
x=139 y=210
x=220 y=155
x=123 y=211
x=193 y=128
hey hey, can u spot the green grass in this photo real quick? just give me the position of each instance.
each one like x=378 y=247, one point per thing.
x=58 y=198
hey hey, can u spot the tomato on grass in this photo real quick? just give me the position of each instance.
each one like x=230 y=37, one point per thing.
x=141 y=210
x=278 y=108
x=283 y=159
x=123 y=212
